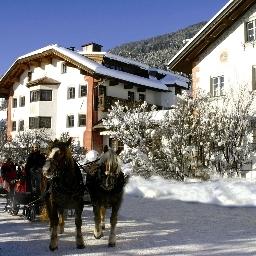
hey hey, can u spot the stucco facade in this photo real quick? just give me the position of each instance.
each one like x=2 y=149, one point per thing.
x=222 y=56
x=230 y=56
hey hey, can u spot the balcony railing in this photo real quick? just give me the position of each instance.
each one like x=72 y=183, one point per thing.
x=105 y=103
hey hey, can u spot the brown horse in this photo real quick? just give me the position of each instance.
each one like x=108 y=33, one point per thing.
x=106 y=186
x=65 y=190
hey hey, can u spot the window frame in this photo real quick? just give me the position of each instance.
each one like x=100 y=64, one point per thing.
x=14 y=126
x=22 y=101
x=250 y=33
x=70 y=121
x=131 y=96
x=71 y=93
x=38 y=95
x=81 y=117
x=63 y=68
x=21 y=125
x=142 y=97
x=82 y=90
x=38 y=122
x=14 y=102
x=29 y=75
x=217 y=84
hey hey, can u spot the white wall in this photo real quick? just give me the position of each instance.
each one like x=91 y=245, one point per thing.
x=232 y=57
x=229 y=56
x=59 y=107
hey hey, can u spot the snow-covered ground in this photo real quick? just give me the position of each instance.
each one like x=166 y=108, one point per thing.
x=158 y=217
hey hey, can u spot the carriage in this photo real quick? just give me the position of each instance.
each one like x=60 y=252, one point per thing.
x=21 y=198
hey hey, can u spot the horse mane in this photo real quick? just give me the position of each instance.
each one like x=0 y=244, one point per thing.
x=64 y=147
x=111 y=161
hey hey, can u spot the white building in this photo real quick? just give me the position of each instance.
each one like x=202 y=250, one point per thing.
x=222 y=55
x=70 y=91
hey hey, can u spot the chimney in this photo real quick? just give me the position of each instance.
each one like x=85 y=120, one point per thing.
x=91 y=47
x=72 y=48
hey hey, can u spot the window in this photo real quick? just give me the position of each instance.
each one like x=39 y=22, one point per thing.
x=22 y=101
x=29 y=76
x=217 y=86
x=71 y=93
x=130 y=96
x=45 y=95
x=70 y=121
x=34 y=96
x=40 y=95
x=39 y=122
x=21 y=125
x=83 y=91
x=63 y=68
x=251 y=31
x=177 y=90
x=14 y=103
x=14 y=125
x=81 y=120
x=142 y=97
x=253 y=77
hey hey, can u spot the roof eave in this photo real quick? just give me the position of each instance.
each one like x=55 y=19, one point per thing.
x=182 y=61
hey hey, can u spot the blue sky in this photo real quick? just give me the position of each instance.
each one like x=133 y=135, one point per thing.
x=31 y=24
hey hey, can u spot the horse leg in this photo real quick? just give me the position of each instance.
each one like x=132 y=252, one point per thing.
x=113 y=222
x=78 y=222
x=97 y=228
x=102 y=217
x=61 y=222
x=54 y=221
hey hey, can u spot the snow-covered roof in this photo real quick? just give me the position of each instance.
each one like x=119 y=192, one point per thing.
x=105 y=71
x=126 y=60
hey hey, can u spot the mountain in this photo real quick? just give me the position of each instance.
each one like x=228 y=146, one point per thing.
x=157 y=51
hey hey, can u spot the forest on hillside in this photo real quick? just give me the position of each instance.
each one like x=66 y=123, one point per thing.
x=157 y=51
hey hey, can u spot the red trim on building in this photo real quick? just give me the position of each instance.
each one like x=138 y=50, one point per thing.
x=91 y=139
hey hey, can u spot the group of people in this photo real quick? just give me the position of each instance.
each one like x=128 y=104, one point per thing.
x=30 y=171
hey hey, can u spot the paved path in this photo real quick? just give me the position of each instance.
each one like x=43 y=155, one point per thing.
x=146 y=227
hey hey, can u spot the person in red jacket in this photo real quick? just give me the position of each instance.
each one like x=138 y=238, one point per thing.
x=8 y=172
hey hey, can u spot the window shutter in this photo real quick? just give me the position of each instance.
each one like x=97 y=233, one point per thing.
x=211 y=86
x=253 y=77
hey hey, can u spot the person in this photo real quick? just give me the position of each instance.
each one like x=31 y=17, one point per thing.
x=33 y=168
x=105 y=149
x=8 y=172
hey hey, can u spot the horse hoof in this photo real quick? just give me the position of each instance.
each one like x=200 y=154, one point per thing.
x=111 y=244
x=53 y=248
x=80 y=246
x=98 y=237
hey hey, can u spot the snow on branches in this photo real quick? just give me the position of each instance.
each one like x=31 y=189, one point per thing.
x=198 y=137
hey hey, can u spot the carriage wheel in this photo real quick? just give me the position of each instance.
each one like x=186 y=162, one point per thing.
x=32 y=213
x=15 y=209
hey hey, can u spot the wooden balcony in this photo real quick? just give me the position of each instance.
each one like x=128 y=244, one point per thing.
x=105 y=103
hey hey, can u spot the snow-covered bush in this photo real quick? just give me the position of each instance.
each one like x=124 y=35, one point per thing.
x=199 y=136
